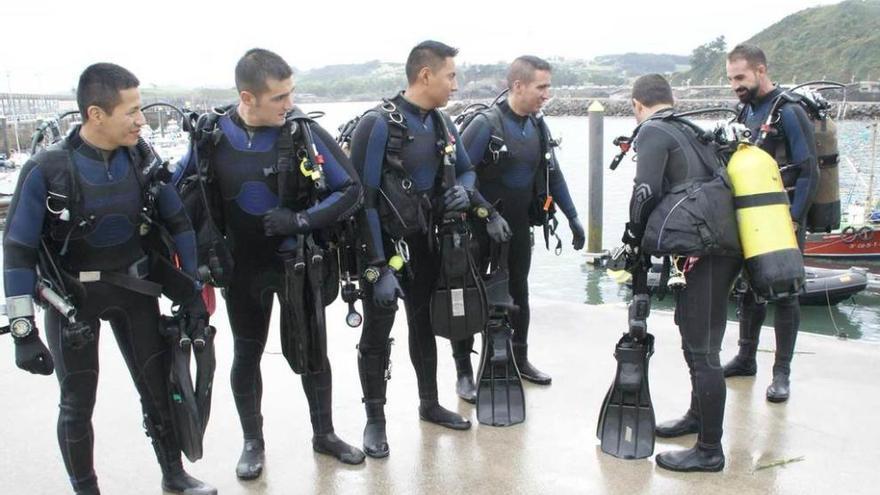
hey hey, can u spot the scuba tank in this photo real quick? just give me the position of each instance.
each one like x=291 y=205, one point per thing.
x=772 y=259
x=824 y=213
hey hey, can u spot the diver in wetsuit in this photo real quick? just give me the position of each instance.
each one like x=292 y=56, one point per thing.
x=80 y=204
x=793 y=144
x=397 y=150
x=669 y=155
x=514 y=182
x=243 y=178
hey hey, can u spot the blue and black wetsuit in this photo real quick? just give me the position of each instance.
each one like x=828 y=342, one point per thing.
x=238 y=168
x=793 y=144
x=111 y=192
x=509 y=184
x=422 y=160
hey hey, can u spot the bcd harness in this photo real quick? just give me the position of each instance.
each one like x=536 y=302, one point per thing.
x=542 y=208
x=154 y=274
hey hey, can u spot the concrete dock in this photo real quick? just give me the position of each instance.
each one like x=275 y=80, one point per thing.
x=830 y=423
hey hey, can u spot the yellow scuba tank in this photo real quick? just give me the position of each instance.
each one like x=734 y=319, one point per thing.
x=774 y=263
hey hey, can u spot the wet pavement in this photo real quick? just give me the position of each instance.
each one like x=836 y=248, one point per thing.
x=830 y=422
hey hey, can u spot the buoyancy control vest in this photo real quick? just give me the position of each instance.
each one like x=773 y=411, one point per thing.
x=542 y=209
x=403 y=210
x=694 y=217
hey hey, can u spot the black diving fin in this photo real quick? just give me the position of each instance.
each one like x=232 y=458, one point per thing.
x=500 y=394
x=190 y=403
x=626 y=420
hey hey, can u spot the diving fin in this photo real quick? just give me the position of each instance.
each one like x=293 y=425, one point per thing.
x=500 y=395
x=206 y=364
x=185 y=417
x=294 y=320
x=303 y=321
x=626 y=420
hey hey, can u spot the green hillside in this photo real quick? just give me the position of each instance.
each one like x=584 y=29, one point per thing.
x=372 y=79
x=839 y=42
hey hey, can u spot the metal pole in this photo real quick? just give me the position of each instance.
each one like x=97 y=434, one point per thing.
x=596 y=114
x=4 y=137
x=870 y=206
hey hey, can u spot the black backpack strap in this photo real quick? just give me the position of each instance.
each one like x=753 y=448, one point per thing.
x=396 y=134
x=284 y=163
x=446 y=173
x=311 y=162
x=207 y=136
x=496 y=147
x=64 y=191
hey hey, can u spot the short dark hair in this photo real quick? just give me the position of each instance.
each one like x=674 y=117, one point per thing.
x=524 y=67
x=652 y=89
x=753 y=55
x=257 y=66
x=427 y=54
x=100 y=84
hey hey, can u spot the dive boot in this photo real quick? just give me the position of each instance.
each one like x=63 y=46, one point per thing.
x=699 y=458
x=183 y=483
x=374 y=369
x=685 y=425
x=174 y=478
x=375 y=439
x=780 y=388
x=465 y=388
x=740 y=366
x=330 y=444
x=250 y=464
x=432 y=412
x=526 y=369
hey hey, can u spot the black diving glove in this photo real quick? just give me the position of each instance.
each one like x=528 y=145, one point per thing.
x=194 y=316
x=577 y=233
x=386 y=290
x=456 y=198
x=32 y=355
x=632 y=235
x=284 y=222
x=498 y=229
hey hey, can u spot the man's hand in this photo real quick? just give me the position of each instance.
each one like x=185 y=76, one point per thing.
x=32 y=355
x=285 y=222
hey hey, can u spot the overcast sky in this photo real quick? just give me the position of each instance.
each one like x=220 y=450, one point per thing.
x=47 y=43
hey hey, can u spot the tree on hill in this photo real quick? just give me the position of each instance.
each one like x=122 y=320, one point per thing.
x=840 y=42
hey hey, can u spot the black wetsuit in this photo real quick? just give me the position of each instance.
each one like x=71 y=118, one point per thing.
x=422 y=160
x=510 y=185
x=701 y=307
x=238 y=165
x=112 y=195
x=793 y=144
